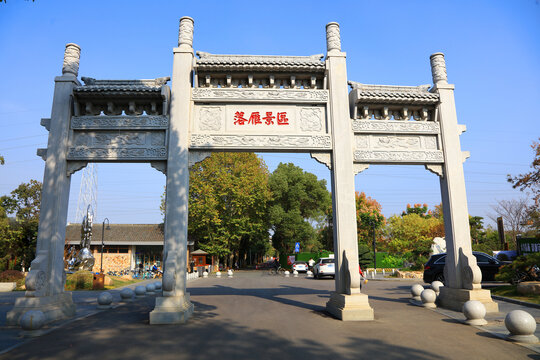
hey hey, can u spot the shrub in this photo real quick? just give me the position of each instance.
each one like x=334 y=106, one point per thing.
x=81 y=280
x=520 y=264
x=391 y=261
x=11 y=276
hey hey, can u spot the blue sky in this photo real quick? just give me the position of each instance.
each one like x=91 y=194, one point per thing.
x=492 y=51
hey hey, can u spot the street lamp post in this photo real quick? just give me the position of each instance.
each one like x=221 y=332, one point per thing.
x=103 y=243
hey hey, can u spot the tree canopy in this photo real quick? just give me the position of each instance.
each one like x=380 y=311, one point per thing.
x=18 y=235
x=228 y=199
x=298 y=199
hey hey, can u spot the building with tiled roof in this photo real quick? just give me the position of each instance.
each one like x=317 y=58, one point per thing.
x=126 y=246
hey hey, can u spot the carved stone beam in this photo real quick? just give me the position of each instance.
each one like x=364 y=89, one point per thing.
x=323 y=158
x=437 y=169
x=197 y=156
x=359 y=167
x=74 y=166
x=159 y=166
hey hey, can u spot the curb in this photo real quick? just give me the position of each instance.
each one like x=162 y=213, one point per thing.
x=514 y=301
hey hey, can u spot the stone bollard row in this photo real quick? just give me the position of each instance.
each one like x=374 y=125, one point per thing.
x=287 y=273
x=309 y=274
x=521 y=326
x=475 y=312
x=218 y=274
x=31 y=322
x=416 y=290
x=230 y=273
x=295 y=273
x=104 y=300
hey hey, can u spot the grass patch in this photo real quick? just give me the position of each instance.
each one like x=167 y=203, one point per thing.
x=120 y=281
x=511 y=292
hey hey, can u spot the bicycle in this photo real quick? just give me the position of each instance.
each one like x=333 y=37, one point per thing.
x=278 y=271
x=532 y=274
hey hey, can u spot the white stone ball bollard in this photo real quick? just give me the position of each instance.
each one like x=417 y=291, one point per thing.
x=428 y=298
x=140 y=291
x=31 y=321
x=287 y=273
x=309 y=274
x=218 y=274
x=104 y=300
x=295 y=273
x=127 y=295
x=416 y=290
x=475 y=312
x=436 y=286
x=229 y=273
x=157 y=285
x=522 y=326
x=150 y=288
x=205 y=274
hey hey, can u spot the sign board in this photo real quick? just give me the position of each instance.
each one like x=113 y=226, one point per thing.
x=528 y=245
x=291 y=259
x=297 y=247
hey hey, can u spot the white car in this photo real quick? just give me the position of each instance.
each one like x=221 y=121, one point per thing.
x=300 y=266
x=324 y=267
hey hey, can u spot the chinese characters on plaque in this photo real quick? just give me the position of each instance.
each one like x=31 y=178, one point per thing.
x=256 y=118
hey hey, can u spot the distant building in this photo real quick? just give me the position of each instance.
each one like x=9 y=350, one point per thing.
x=127 y=246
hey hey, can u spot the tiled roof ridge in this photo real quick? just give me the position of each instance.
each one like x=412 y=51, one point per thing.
x=140 y=85
x=395 y=93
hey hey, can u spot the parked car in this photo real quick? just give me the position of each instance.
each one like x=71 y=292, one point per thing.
x=324 y=267
x=434 y=268
x=300 y=266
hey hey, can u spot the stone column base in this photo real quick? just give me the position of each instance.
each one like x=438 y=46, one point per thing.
x=350 y=307
x=55 y=307
x=454 y=299
x=171 y=310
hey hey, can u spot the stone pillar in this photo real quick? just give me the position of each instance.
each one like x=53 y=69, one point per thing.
x=45 y=282
x=462 y=274
x=346 y=303
x=174 y=306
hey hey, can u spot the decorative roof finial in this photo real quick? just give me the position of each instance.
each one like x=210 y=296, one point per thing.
x=333 y=38
x=438 y=68
x=72 y=55
x=185 y=33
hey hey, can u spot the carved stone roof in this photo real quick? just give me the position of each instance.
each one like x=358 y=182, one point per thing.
x=391 y=94
x=121 y=86
x=213 y=62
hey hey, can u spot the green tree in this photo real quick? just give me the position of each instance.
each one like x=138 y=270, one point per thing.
x=299 y=199
x=411 y=236
x=368 y=217
x=18 y=236
x=530 y=180
x=228 y=199
x=2 y=161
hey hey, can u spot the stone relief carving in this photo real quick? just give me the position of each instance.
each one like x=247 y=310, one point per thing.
x=429 y=127
x=72 y=55
x=430 y=142
x=322 y=157
x=86 y=153
x=258 y=141
x=260 y=95
x=370 y=156
x=185 y=32
x=119 y=139
x=210 y=118
x=158 y=138
x=113 y=122
x=362 y=142
x=396 y=142
x=438 y=68
x=333 y=38
x=311 y=119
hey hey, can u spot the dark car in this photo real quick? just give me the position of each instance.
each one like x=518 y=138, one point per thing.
x=434 y=268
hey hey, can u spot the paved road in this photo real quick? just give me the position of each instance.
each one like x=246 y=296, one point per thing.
x=258 y=316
